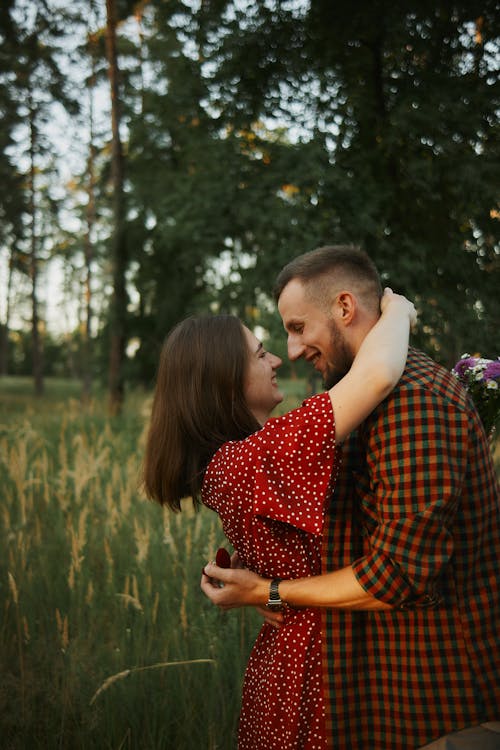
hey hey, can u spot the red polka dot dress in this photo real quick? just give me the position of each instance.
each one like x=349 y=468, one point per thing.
x=270 y=491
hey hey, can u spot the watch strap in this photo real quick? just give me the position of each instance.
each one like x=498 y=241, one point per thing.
x=274 y=602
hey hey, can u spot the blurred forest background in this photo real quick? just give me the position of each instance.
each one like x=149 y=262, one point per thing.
x=160 y=158
x=163 y=157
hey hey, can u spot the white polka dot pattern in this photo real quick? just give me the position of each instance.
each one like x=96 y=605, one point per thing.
x=270 y=492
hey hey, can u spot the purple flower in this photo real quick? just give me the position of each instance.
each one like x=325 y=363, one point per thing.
x=481 y=379
x=492 y=371
x=464 y=364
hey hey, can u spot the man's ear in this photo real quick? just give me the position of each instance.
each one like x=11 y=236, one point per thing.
x=344 y=308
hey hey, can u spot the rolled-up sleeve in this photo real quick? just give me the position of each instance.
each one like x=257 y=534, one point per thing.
x=416 y=444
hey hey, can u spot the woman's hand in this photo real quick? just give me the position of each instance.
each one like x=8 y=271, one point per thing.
x=391 y=298
x=241 y=587
x=228 y=588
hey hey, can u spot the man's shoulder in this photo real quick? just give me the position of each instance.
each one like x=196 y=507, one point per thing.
x=422 y=368
x=425 y=379
x=421 y=371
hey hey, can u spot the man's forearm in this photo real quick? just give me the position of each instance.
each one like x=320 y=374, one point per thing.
x=337 y=590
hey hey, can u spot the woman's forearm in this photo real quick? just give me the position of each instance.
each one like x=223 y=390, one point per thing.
x=385 y=346
x=378 y=365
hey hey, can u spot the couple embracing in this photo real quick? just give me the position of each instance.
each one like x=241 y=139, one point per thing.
x=366 y=521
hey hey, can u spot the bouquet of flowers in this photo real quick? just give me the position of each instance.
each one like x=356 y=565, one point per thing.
x=481 y=378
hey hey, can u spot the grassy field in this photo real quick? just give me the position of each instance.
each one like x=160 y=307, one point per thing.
x=106 y=640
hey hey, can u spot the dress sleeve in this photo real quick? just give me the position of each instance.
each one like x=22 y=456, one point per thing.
x=295 y=459
x=416 y=453
x=284 y=470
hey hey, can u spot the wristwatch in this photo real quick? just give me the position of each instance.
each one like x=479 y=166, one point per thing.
x=274 y=603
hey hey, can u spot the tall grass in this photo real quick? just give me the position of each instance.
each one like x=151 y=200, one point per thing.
x=106 y=640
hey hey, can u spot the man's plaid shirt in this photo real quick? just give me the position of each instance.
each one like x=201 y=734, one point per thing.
x=417 y=509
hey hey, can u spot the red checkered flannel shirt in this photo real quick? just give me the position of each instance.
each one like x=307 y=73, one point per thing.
x=416 y=513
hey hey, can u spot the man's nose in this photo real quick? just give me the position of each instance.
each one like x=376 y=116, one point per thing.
x=295 y=348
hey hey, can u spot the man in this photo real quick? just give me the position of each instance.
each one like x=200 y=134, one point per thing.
x=411 y=636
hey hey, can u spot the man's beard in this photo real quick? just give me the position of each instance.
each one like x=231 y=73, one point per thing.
x=342 y=355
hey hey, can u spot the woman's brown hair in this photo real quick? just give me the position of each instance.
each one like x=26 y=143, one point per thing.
x=198 y=405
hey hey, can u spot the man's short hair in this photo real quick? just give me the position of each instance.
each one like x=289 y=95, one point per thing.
x=327 y=270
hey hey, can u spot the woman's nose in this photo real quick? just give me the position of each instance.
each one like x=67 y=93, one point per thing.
x=277 y=362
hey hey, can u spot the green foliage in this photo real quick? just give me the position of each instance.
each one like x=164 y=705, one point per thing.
x=403 y=104
x=11 y=195
x=256 y=131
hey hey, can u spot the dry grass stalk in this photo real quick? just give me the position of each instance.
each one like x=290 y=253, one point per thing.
x=6 y=517
x=18 y=470
x=130 y=485
x=90 y=593
x=129 y=599
x=65 y=634
x=37 y=535
x=76 y=557
x=154 y=613
x=82 y=527
x=63 y=630
x=109 y=558
x=63 y=492
x=113 y=519
x=116 y=477
x=135 y=586
x=161 y=665
x=26 y=629
x=15 y=597
x=88 y=462
x=183 y=609
x=58 y=620
x=167 y=534
x=13 y=588
x=188 y=542
x=141 y=535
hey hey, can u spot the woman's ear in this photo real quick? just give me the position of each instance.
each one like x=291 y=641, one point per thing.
x=344 y=308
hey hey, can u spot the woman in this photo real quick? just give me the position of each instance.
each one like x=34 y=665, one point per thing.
x=269 y=484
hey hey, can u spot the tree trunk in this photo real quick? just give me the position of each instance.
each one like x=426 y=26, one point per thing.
x=88 y=239
x=37 y=352
x=118 y=250
x=4 y=329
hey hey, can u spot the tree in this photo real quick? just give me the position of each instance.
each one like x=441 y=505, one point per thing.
x=39 y=83
x=205 y=198
x=12 y=203
x=402 y=102
x=118 y=308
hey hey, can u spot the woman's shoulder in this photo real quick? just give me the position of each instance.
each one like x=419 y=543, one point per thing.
x=313 y=408
x=313 y=412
